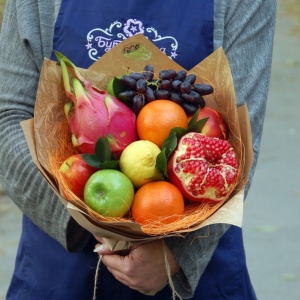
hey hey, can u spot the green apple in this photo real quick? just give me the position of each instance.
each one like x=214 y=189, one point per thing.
x=76 y=172
x=109 y=192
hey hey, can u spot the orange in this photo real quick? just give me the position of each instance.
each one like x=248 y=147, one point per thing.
x=157 y=201
x=157 y=118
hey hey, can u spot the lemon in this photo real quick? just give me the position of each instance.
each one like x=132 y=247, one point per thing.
x=138 y=160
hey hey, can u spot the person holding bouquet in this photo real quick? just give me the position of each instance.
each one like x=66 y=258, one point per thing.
x=55 y=258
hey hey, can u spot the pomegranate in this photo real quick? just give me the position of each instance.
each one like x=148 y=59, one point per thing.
x=203 y=168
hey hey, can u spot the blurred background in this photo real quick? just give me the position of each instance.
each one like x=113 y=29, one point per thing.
x=272 y=209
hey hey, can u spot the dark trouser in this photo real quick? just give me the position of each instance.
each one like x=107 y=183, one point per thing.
x=46 y=271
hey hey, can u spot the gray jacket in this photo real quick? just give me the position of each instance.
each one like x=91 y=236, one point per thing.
x=243 y=28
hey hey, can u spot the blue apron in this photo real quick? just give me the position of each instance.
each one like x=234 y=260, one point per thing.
x=85 y=31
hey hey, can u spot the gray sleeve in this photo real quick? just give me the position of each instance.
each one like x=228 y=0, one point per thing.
x=248 y=43
x=245 y=29
x=23 y=45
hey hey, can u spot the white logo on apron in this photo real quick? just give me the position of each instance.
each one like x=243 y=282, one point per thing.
x=102 y=40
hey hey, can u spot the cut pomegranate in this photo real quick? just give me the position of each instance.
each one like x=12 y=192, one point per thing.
x=203 y=168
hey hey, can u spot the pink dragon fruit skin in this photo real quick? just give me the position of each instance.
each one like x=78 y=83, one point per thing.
x=93 y=113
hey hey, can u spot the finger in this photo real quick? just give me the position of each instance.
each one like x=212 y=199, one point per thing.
x=123 y=278
x=102 y=249
x=119 y=276
x=114 y=262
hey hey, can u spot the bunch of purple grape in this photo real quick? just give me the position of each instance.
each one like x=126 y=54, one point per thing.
x=176 y=86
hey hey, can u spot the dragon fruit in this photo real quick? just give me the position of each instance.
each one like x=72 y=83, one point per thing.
x=93 y=113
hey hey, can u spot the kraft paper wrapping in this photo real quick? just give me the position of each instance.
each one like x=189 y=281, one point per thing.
x=43 y=133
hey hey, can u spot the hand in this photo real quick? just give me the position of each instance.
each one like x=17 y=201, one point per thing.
x=143 y=268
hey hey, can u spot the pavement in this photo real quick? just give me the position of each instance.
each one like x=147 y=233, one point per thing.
x=10 y=229
x=271 y=218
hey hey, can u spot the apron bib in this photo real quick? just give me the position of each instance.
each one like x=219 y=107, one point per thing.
x=85 y=31
x=183 y=30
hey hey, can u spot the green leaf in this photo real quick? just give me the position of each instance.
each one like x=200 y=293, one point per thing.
x=194 y=118
x=124 y=99
x=171 y=140
x=102 y=159
x=102 y=150
x=161 y=163
x=168 y=147
x=179 y=131
x=109 y=164
x=197 y=126
x=91 y=160
x=115 y=86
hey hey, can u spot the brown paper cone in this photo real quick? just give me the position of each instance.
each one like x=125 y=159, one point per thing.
x=44 y=135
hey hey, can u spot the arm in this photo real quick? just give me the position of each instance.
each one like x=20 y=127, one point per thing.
x=248 y=43
x=245 y=30
x=23 y=45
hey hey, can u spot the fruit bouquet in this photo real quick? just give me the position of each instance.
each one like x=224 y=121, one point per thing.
x=138 y=148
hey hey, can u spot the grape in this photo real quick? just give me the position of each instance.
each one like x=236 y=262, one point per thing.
x=141 y=86
x=191 y=97
x=167 y=74
x=189 y=108
x=127 y=96
x=191 y=78
x=185 y=87
x=175 y=85
x=149 y=94
x=148 y=72
x=164 y=84
x=201 y=102
x=162 y=94
x=138 y=103
x=136 y=75
x=203 y=89
x=175 y=97
x=180 y=75
x=128 y=81
x=194 y=97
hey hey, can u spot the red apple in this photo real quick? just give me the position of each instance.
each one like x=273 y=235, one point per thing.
x=76 y=172
x=215 y=125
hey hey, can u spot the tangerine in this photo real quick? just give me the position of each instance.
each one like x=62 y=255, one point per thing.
x=157 y=201
x=157 y=118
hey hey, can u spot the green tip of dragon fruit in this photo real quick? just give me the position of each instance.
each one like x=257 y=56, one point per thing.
x=67 y=108
x=94 y=113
